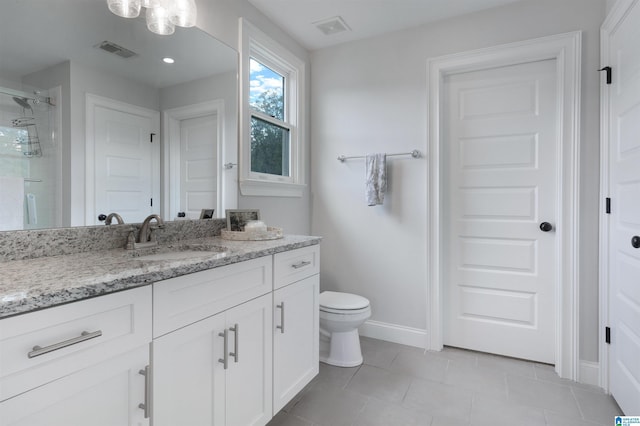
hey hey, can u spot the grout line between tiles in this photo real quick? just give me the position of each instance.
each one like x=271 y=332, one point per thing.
x=352 y=376
x=575 y=398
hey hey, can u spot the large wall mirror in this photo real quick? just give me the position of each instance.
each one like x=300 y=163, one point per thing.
x=93 y=121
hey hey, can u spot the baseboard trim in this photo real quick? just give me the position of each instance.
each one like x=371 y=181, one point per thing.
x=394 y=333
x=589 y=373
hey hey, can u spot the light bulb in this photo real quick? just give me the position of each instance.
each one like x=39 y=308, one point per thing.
x=158 y=19
x=183 y=13
x=125 y=8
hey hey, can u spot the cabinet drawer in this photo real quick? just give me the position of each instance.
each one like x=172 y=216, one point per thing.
x=106 y=394
x=181 y=301
x=295 y=265
x=39 y=347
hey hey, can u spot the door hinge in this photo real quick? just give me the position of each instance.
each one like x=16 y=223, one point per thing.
x=607 y=335
x=152 y=202
x=608 y=71
x=151 y=135
x=608 y=206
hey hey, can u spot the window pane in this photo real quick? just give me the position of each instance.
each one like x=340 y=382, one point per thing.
x=266 y=90
x=269 y=148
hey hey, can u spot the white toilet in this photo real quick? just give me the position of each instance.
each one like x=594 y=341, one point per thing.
x=340 y=316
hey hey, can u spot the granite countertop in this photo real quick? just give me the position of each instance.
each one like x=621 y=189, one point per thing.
x=29 y=285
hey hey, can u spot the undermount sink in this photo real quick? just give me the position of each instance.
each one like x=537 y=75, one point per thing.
x=180 y=252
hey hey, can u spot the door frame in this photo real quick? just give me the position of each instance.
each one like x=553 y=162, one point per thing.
x=171 y=119
x=566 y=50
x=91 y=103
x=609 y=26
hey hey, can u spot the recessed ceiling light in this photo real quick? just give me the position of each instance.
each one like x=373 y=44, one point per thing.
x=332 y=25
x=168 y=60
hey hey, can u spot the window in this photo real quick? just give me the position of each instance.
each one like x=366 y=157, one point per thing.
x=271 y=148
x=270 y=132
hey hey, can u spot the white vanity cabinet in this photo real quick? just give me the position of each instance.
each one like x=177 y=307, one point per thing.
x=213 y=366
x=225 y=346
x=77 y=364
x=295 y=322
x=266 y=310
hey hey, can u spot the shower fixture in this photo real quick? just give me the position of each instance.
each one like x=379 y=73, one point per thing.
x=23 y=102
x=28 y=140
x=23 y=98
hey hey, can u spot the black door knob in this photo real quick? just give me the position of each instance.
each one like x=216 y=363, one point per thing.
x=546 y=227
x=635 y=241
x=102 y=217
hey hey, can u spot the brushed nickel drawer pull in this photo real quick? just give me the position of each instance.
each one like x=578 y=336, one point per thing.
x=236 y=332
x=281 y=326
x=146 y=406
x=225 y=361
x=301 y=264
x=38 y=350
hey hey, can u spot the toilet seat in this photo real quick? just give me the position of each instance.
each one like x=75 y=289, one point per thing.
x=344 y=311
x=342 y=303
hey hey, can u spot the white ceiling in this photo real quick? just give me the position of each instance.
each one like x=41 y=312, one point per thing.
x=366 y=18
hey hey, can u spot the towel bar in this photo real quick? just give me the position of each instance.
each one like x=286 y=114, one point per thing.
x=415 y=154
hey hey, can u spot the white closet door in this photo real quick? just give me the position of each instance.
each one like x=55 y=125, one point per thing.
x=501 y=132
x=624 y=221
x=125 y=166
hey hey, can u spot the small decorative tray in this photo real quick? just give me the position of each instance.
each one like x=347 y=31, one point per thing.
x=270 y=234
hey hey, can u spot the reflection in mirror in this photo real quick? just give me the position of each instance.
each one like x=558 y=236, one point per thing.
x=93 y=121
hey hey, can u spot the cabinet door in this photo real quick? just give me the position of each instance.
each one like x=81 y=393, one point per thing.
x=105 y=394
x=249 y=379
x=295 y=339
x=188 y=379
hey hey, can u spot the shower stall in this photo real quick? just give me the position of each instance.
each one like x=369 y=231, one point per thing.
x=29 y=159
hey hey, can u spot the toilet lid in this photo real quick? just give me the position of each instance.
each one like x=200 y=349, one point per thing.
x=342 y=301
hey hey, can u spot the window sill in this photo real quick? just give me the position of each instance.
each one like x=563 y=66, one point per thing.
x=260 y=188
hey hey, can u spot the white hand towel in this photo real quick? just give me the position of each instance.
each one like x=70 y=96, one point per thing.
x=376 y=178
x=32 y=210
x=11 y=203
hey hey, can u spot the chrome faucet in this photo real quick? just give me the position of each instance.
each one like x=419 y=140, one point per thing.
x=112 y=216
x=144 y=236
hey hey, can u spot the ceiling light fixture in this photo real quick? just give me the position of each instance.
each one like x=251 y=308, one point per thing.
x=168 y=60
x=162 y=15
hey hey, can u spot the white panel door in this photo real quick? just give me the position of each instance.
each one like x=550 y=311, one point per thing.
x=624 y=221
x=126 y=164
x=105 y=394
x=249 y=377
x=198 y=164
x=500 y=131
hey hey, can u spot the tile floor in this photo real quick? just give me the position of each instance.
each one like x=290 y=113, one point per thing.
x=399 y=385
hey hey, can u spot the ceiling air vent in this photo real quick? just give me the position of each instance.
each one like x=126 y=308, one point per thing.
x=332 y=25
x=111 y=47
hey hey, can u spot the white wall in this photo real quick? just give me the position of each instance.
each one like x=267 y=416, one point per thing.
x=220 y=19
x=370 y=96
